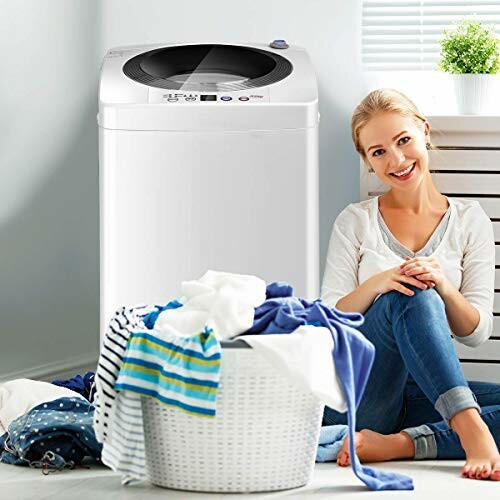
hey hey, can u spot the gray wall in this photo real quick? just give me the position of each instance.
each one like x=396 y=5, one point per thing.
x=52 y=51
x=49 y=189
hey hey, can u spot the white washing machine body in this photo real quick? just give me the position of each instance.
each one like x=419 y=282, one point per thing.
x=219 y=173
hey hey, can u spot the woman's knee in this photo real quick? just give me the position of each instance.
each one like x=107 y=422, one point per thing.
x=385 y=313
x=428 y=298
x=422 y=315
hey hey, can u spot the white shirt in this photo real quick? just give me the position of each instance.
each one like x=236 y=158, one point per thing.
x=466 y=254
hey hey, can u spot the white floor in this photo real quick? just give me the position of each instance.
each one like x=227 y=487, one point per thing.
x=432 y=479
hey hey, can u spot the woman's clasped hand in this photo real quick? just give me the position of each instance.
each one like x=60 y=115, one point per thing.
x=426 y=269
x=422 y=272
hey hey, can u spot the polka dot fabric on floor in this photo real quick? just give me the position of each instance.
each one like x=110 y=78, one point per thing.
x=53 y=435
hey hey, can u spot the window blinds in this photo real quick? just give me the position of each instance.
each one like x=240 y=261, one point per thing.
x=405 y=35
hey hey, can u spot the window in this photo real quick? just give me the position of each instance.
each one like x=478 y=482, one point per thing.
x=405 y=35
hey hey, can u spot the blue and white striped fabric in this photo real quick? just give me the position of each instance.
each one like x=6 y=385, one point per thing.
x=178 y=371
x=137 y=361
x=118 y=415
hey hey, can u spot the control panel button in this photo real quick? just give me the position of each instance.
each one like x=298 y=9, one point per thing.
x=244 y=98
x=226 y=98
x=279 y=44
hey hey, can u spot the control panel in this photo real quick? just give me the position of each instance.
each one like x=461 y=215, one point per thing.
x=180 y=97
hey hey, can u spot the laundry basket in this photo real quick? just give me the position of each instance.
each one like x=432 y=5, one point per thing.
x=264 y=436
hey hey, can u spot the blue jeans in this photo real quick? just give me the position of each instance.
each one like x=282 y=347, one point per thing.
x=416 y=383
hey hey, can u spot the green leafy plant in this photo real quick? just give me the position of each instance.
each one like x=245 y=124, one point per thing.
x=470 y=48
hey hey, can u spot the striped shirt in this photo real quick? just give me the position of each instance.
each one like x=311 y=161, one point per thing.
x=118 y=415
x=177 y=371
x=136 y=361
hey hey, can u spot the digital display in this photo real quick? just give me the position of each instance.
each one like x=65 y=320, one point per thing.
x=208 y=97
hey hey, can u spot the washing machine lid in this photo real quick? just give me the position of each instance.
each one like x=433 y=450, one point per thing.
x=207 y=67
x=229 y=77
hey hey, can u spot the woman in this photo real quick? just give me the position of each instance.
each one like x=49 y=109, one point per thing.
x=417 y=264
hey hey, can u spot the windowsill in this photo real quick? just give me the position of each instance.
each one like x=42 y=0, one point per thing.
x=432 y=91
x=465 y=123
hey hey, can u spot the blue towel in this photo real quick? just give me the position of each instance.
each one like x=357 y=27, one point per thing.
x=353 y=356
x=331 y=440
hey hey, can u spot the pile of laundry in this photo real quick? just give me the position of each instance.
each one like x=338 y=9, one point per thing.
x=48 y=425
x=173 y=353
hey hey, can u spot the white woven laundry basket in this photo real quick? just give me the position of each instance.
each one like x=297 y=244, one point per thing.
x=263 y=438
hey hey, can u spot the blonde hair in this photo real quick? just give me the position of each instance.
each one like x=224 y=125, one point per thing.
x=382 y=100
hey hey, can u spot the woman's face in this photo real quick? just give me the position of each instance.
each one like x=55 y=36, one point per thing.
x=394 y=143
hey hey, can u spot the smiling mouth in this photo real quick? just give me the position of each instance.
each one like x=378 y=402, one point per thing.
x=406 y=174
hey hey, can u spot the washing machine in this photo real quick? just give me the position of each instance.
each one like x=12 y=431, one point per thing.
x=208 y=159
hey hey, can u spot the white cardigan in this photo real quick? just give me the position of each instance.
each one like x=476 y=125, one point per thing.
x=466 y=254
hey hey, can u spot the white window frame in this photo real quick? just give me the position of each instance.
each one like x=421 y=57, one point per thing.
x=416 y=73
x=399 y=35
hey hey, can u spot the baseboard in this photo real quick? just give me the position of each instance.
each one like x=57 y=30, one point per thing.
x=57 y=370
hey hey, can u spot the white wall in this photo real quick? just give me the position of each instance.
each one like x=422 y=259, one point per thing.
x=52 y=51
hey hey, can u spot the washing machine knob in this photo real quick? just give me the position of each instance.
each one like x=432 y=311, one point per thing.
x=279 y=44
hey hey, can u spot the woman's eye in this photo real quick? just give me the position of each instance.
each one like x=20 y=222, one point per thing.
x=403 y=140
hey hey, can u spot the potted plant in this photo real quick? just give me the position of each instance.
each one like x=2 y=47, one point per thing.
x=470 y=54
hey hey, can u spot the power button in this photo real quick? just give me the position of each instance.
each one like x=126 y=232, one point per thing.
x=279 y=44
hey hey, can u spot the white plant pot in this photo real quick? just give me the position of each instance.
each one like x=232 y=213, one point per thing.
x=472 y=93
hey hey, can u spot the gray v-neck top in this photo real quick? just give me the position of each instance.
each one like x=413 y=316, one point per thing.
x=404 y=252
